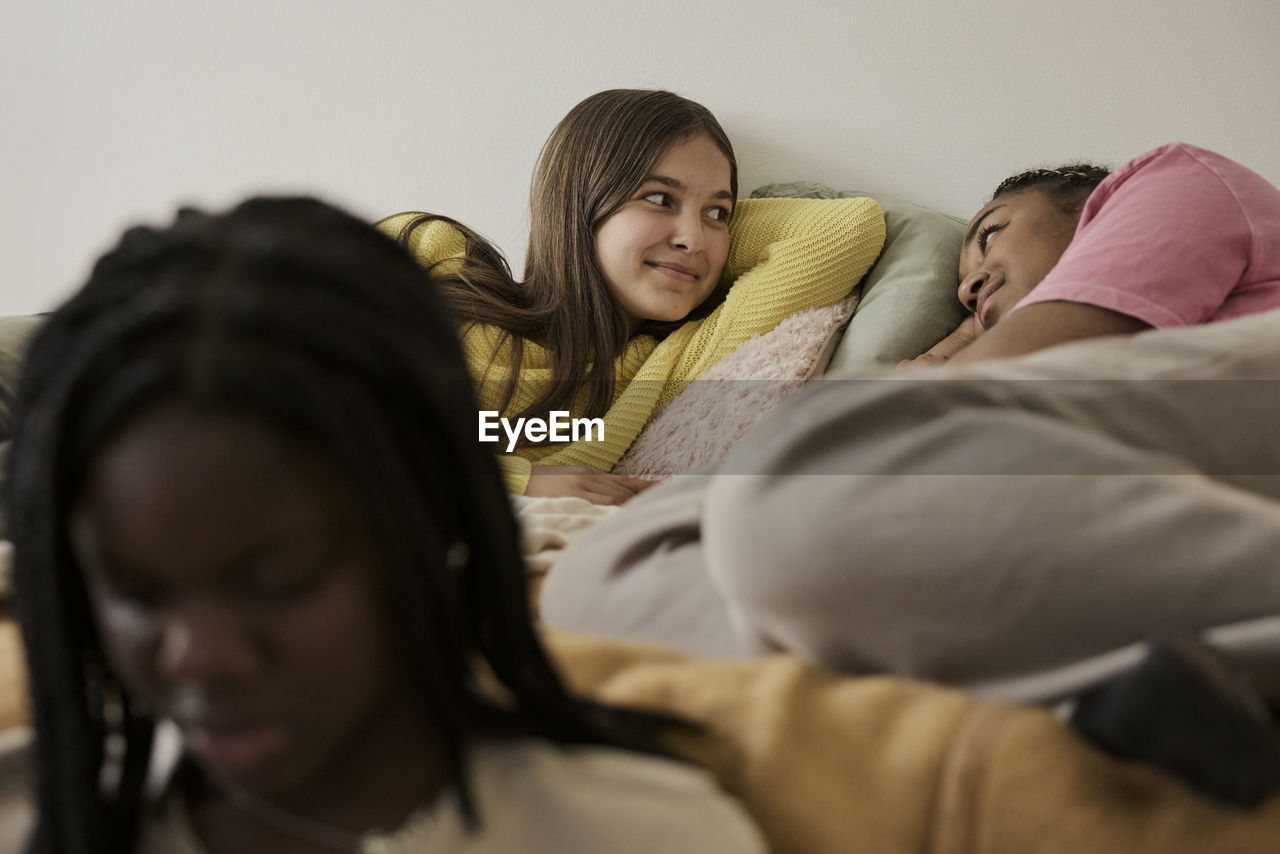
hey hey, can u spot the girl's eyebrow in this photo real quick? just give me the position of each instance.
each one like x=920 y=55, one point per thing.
x=973 y=229
x=676 y=184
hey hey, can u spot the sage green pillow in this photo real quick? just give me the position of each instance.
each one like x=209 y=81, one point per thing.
x=908 y=300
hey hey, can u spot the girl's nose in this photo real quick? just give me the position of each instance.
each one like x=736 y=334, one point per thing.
x=969 y=288
x=202 y=641
x=688 y=233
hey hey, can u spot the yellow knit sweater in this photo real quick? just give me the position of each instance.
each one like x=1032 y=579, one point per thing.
x=784 y=255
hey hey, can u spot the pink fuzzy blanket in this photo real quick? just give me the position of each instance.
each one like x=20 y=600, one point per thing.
x=712 y=415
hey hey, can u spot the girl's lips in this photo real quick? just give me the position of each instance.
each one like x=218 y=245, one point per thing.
x=984 y=298
x=236 y=751
x=675 y=271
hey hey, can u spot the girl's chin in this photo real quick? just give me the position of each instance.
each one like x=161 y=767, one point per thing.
x=663 y=315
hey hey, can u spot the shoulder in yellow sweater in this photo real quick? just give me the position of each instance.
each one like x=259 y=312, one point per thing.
x=784 y=255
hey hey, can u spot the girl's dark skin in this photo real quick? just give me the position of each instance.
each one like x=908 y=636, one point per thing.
x=1009 y=247
x=238 y=592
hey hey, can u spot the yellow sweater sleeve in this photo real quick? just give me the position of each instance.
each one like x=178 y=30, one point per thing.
x=785 y=255
x=515 y=472
x=431 y=243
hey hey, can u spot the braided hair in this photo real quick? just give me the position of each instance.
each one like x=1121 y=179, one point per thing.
x=293 y=311
x=1066 y=186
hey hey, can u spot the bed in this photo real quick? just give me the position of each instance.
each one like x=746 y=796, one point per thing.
x=996 y=763
x=829 y=762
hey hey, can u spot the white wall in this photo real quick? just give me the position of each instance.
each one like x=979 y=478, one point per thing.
x=115 y=112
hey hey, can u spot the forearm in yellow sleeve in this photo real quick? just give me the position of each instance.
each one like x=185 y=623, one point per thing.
x=786 y=255
x=515 y=472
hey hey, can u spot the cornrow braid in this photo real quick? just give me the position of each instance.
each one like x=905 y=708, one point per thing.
x=1067 y=186
x=295 y=312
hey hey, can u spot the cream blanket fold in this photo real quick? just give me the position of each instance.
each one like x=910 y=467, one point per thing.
x=547 y=525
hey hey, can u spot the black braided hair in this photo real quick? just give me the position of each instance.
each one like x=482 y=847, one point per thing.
x=1066 y=186
x=296 y=312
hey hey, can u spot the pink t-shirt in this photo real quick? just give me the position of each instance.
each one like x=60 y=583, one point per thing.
x=1178 y=236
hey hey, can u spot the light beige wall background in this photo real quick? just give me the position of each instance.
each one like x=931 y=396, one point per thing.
x=117 y=112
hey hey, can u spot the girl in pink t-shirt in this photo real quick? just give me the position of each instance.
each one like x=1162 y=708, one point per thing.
x=1178 y=236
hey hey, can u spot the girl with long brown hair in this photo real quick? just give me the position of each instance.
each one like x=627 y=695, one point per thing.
x=640 y=259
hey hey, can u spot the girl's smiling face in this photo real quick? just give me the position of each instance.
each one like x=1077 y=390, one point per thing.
x=1009 y=247
x=662 y=252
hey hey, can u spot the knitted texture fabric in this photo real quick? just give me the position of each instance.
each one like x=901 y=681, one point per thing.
x=784 y=255
x=713 y=414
